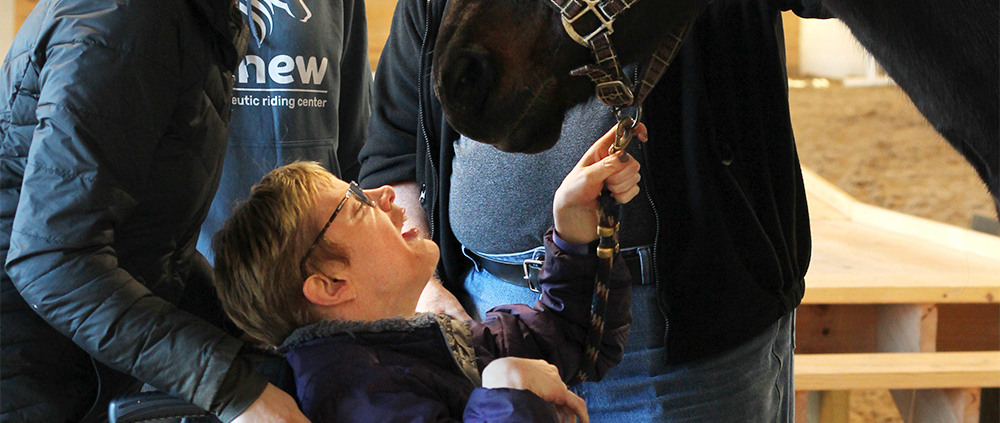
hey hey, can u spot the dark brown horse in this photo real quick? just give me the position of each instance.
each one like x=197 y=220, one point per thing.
x=502 y=67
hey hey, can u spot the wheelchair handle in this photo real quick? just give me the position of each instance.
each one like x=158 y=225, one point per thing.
x=151 y=406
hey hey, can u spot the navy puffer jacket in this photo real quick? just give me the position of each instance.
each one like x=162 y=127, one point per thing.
x=113 y=125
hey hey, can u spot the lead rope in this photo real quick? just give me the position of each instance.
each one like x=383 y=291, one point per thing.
x=608 y=212
x=613 y=91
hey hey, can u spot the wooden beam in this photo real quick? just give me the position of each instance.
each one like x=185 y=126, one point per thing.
x=842 y=328
x=901 y=289
x=822 y=372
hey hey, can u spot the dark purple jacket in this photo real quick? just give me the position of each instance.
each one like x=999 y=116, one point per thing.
x=427 y=369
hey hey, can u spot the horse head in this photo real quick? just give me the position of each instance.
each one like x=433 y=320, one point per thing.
x=501 y=68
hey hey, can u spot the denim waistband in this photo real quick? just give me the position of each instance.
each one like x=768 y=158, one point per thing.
x=638 y=259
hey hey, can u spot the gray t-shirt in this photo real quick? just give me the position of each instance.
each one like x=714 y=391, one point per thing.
x=502 y=202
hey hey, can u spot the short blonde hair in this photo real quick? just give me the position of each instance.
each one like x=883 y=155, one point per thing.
x=258 y=250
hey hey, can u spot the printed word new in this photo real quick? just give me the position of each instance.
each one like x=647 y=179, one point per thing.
x=282 y=68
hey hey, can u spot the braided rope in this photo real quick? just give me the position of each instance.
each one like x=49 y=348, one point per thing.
x=607 y=248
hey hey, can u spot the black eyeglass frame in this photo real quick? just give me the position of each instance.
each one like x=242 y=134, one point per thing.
x=352 y=189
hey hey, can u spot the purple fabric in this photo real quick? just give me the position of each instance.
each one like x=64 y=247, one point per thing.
x=412 y=375
x=507 y=405
x=577 y=249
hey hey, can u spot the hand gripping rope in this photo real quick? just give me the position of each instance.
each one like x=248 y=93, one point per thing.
x=615 y=90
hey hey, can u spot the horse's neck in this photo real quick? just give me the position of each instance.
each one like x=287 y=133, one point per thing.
x=945 y=56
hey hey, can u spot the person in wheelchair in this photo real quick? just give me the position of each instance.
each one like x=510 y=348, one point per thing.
x=319 y=268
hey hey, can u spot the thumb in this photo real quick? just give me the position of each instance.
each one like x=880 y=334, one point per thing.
x=599 y=150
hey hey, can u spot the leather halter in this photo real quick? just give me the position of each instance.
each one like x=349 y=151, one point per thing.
x=615 y=90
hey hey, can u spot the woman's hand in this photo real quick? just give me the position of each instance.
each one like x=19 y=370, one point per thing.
x=273 y=406
x=537 y=376
x=574 y=208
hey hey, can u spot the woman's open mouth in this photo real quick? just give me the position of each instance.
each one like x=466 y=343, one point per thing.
x=411 y=234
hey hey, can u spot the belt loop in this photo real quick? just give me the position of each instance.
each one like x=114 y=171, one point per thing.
x=469 y=254
x=646 y=264
x=639 y=261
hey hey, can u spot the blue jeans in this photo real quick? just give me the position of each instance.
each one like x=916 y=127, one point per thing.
x=751 y=383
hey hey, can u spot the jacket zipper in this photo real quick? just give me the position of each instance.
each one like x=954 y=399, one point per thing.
x=656 y=247
x=656 y=236
x=421 y=119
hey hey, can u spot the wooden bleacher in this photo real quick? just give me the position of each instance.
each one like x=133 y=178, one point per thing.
x=895 y=302
x=956 y=369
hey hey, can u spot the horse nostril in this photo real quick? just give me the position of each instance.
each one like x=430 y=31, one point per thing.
x=467 y=78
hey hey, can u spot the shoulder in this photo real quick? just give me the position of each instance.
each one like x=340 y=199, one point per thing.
x=151 y=29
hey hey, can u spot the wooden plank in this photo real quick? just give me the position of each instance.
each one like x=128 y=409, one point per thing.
x=820 y=191
x=948 y=236
x=923 y=233
x=859 y=328
x=843 y=249
x=897 y=370
x=930 y=287
x=843 y=328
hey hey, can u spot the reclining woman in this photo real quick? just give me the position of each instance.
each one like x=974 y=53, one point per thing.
x=319 y=268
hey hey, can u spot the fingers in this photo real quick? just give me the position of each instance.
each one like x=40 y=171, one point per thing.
x=579 y=407
x=640 y=132
x=572 y=406
x=565 y=415
x=621 y=178
x=615 y=163
x=600 y=171
x=599 y=150
x=626 y=196
x=624 y=185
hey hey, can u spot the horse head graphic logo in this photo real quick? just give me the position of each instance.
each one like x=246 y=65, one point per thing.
x=261 y=14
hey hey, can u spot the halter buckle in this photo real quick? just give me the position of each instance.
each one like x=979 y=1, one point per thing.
x=580 y=9
x=614 y=94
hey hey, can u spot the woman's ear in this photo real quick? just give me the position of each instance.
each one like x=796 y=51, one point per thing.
x=323 y=290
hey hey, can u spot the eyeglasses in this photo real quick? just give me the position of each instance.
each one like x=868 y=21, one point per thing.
x=352 y=190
